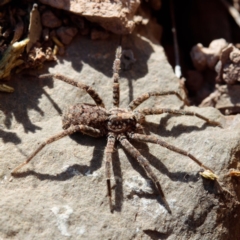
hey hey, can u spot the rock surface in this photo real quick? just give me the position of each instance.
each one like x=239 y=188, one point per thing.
x=61 y=194
x=115 y=16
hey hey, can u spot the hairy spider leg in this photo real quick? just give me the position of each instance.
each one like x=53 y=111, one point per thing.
x=116 y=68
x=145 y=164
x=135 y=103
x=97 y=99
x=78 y=128
x=153 y=139
x=108 y=165
x=155 y=111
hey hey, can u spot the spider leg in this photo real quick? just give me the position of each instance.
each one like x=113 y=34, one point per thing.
x=135 y=103
x=145 y=164
x=116 y=68
x=81 y=128
x=97 y=99
x=154 y=111
x=153 y=139
x=109 y=151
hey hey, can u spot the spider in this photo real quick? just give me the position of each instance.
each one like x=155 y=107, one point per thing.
x=118 y=124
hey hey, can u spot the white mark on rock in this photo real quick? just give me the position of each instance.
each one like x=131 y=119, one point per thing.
x=139 y=185
x=62 y=214
x=89 y=174
x=4 y=179
x=71 y=170
x=152 y=207
x=81 y=230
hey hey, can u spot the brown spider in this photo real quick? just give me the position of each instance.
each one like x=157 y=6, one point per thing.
x=117 y=123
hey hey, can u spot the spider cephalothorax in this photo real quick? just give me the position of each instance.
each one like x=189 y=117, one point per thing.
x=121 y=124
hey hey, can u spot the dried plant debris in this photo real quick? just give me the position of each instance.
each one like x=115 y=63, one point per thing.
x=20 y=36
x=48 y=30
x=209 y=175
x=50 y=26
x=6 y=88
x=11 y=58
x=20 y=29
x=37 y=56
x=35 y=27
x=234 y=173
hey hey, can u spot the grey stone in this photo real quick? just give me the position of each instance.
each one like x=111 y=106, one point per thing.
x=61 y=194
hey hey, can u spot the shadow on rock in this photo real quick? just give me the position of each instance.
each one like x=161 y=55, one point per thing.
x=9 y=137
x=176 y=131
x=28 y=91
x=101 y=54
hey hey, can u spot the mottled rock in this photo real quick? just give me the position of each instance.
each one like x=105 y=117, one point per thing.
x=115 y=16
x=62 y=192
x=50 y=20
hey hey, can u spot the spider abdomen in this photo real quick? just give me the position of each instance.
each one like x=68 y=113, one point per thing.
x=86 y=114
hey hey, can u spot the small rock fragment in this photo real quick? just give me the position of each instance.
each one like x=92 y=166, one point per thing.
x=207 y=57
x=50 y=20
x=66 y=34
x=228 y=67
